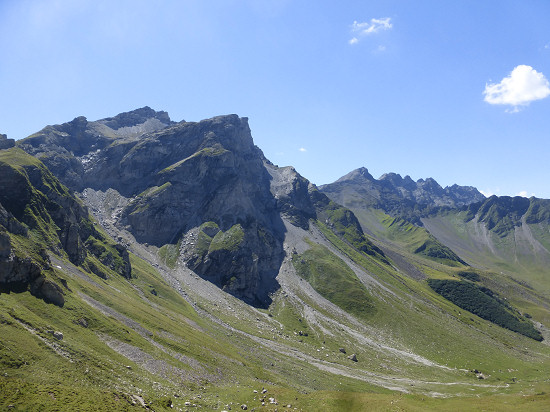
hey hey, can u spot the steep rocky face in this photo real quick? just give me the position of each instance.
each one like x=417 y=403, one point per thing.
x=299 y=201
x=174 y=179
x=398 y=196
x=38 y=216
x=292 y=193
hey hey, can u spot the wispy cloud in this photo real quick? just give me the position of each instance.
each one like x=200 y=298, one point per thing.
x=524 y=193
x=490 y=192
x=521 y=87
x=302 y=149
x=362 y=29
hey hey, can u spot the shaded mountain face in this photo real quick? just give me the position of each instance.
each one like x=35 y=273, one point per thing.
x=398 y=196
x=503 y=214
x=201 y=189
x=38 y=217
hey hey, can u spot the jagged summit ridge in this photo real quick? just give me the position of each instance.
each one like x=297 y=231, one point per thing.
x=398 y=196
x=422 y=191
x=136 y=117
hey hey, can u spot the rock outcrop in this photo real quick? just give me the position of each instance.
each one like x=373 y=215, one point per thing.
x=175 y=179
x=38 y=216
x=6 y=143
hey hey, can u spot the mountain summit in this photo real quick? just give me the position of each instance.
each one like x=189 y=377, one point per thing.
x=201 y=189
x=398 y=196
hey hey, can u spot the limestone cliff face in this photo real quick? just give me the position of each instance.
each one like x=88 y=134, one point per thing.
x=174 y=178
x=202 y=187
x=207 y=172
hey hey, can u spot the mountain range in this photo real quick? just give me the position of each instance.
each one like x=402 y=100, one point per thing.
x=147 y=263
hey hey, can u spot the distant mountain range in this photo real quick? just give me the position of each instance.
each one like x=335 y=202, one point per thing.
x=398 y=196
x=147 y=263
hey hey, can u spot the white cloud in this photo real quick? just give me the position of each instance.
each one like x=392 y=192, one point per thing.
x=301 y=149
x=524 y=193
x=363 y=29
x=490 y=192
x=521 y=87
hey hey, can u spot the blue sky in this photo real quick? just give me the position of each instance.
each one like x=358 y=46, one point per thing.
x=454 y=90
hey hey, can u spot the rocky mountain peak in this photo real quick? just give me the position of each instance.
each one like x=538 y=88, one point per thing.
x=79 y=122
x=136 y=117
x=394 y=179
x=357 y=175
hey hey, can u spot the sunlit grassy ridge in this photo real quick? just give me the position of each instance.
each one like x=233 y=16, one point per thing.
x=334 y=280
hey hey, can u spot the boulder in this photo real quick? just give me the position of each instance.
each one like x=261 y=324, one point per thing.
x=47 y=290
x=353 y=357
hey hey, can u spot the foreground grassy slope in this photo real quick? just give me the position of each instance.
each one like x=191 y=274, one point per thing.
x=162 y=337
x=135 y=324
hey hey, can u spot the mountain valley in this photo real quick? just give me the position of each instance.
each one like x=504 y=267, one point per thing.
x=153 y=264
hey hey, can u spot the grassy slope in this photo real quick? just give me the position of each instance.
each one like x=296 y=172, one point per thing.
x=412 y=238
x=334 y=280
x=420 y=326
x=178 y=350
x=38 y=378
x=524 y=279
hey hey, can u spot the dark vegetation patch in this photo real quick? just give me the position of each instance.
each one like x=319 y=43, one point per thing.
x=469 y=275
x=484 y=303
x=434 y=249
